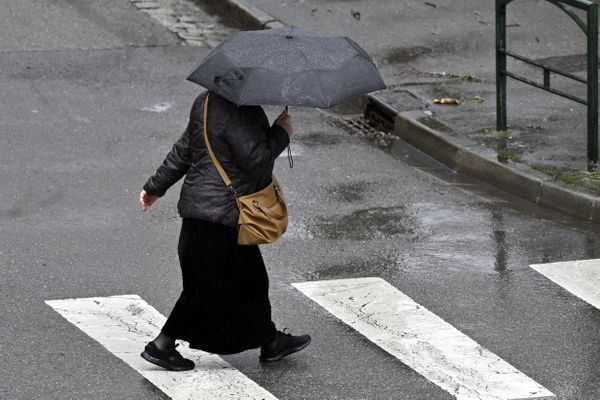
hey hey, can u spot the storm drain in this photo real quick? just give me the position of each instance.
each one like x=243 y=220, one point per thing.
x=185 y=19
x=360 y=126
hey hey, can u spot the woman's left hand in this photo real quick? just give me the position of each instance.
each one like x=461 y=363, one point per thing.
x=146 y=200
x=285 y=121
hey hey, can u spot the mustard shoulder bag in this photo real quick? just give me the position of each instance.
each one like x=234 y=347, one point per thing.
x=263 y=214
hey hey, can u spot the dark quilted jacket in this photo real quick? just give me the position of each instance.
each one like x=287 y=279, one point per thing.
x=243 y=142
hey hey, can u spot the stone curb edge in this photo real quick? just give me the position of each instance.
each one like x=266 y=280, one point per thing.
x=245 y=13
x=540 y=190
x=408 y=126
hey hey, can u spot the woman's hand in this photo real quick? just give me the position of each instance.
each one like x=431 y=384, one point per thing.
x=285 y=121
x=146 y=200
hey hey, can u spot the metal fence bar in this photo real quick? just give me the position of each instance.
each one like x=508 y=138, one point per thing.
x=592 y=69
x=501 y=65
x=580 y=4
x=547 y=89
x=590 y=28
x=545 y=67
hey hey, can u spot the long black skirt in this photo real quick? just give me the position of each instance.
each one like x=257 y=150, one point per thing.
x=224 y=307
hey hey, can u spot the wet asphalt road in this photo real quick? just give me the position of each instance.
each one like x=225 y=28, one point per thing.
x=78 y=139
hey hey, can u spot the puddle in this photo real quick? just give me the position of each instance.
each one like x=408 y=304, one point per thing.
x=568 y=63
x=379 y=265
x=369 y=224
x=350 y=269
x=350 y=192
x=401 y=55
x=315 y=139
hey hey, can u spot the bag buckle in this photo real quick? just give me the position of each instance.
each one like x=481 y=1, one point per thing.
x=233 y=191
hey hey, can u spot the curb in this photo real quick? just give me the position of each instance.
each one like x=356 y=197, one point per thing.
x=542 y=191
x=245 y=13
x=409 y=127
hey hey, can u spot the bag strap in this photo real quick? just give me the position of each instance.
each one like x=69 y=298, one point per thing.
x=222 y=172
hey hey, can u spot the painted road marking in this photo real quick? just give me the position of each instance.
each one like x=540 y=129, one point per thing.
x=582 y=278
x=422 y=340
x=124 y=324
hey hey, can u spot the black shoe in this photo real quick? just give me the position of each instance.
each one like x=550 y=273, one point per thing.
x=168 y=359
x=283 y=345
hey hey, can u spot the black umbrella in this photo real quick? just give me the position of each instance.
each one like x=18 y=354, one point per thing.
x=288 y=66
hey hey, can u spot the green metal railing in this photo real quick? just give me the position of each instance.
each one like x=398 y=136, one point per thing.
x=590 y=29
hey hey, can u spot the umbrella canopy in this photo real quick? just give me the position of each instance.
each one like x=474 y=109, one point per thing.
x=288 y=66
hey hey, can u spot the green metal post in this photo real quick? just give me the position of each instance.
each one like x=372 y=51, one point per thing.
x=592 y=83
x=500 y=65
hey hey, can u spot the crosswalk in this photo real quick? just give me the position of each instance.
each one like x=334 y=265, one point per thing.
x=422 y=340
x=124 y=324
x=582 y=278
x=387 y=317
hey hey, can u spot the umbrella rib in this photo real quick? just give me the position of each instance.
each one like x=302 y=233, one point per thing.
x=318 y=77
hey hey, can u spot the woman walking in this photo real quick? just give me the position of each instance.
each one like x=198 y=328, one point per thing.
x=224 y=307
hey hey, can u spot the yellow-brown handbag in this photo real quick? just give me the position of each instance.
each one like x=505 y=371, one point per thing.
x=263 y=214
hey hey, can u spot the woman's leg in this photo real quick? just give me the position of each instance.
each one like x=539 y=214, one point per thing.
x=161 y=351
x=164 y=342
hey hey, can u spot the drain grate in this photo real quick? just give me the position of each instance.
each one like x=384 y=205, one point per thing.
x=358 y=126
x=363 y=127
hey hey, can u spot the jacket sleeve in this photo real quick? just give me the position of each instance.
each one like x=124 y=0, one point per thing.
x=255 y=145
x=174 y=166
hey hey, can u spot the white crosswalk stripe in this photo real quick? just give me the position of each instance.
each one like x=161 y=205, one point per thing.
x=582 y=278
x=124 y=324
x=377 y=310
x=422 y=340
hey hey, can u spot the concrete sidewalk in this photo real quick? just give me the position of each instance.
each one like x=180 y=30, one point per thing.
x=428 y=50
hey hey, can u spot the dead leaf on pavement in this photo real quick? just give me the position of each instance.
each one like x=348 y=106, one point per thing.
x=430 y=4
x=468 y=78
x=447 y=100
x=479 y=99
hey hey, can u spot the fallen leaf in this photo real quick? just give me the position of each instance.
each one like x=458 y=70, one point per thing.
x=468 y=78
x=447 y=100
x=355 y=14
x=430 y=4
x=476 y=13
x=479 y=99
